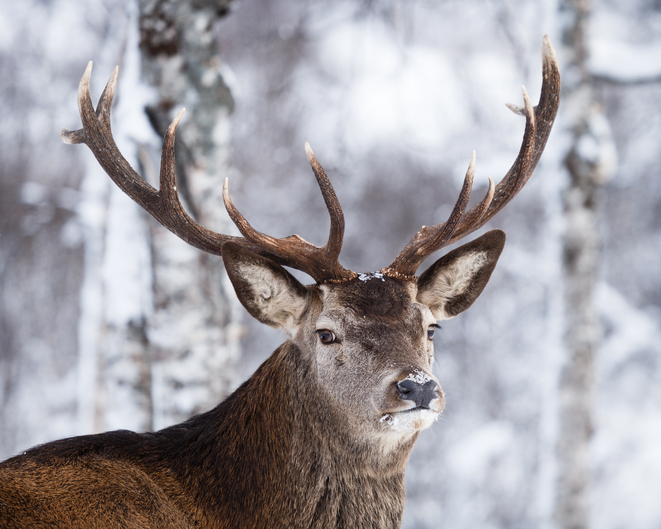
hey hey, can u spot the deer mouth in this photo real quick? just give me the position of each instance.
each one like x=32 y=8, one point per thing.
x=417 y=408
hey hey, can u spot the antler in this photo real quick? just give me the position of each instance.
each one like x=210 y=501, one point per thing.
x=539 y=121
x=321 y=263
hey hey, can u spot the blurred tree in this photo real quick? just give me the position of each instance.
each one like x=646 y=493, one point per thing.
x=42 y=247
x=152 y=358
x=106 y=319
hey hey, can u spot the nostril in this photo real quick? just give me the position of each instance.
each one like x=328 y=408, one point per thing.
x=429 y=386
x=405 y=388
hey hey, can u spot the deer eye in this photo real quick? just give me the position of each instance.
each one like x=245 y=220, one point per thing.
x=326 y=336
x=431 y=332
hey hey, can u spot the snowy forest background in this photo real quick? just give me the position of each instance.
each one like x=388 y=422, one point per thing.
x=553 y=378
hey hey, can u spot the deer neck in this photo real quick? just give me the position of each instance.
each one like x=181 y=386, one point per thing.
x=280 y=452
x=342 y=480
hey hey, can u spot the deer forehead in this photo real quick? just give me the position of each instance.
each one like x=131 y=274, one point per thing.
x=384 y=301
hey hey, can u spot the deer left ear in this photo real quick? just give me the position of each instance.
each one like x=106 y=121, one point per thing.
x=454 y=282
x=265 y=289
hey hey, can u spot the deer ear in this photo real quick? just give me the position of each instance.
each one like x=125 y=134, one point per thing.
x=265 y=289
x=454 y=282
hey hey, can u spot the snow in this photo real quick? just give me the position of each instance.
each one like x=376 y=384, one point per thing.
x=627 y=452
x=391 y=93
x=626 y=62
x=474 y=454
x=33 y=193
x=419 y=377
x=127 y=260
x=365 y=277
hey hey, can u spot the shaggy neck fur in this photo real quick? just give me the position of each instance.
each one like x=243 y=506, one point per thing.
x=281 y=457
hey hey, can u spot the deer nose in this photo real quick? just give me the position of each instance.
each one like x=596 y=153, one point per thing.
x=420 y=394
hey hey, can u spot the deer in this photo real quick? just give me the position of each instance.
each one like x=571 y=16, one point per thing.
x=320 y=435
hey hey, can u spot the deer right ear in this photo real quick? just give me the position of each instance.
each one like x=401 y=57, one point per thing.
x=265 y=289
x=454 y=282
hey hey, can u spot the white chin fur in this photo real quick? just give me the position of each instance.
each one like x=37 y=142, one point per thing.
x=409 y=421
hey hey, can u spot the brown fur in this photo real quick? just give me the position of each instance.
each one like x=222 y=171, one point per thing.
x=257 y=460
x=302 y=443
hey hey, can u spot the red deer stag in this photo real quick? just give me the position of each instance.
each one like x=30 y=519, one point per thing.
x=319 y=436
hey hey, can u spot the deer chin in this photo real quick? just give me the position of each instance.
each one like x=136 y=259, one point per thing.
x=409 y=421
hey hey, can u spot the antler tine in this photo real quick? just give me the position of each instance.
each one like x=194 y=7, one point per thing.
x=431 y=238
x=321 y=263
x=78 y=136
x=248 y=232
x=539 y=121
x=97 y=136
x=85 y=103
x=336 y=235
x=105 y=101
x=164 y=204
x=169 y=210
x=513 y=181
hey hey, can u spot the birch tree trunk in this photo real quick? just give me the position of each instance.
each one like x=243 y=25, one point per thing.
x=193 y=329
x=44 y=211
x=589 y=167
x=169 y=351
